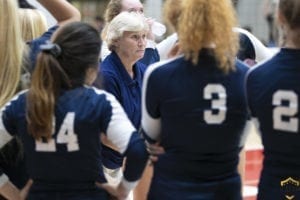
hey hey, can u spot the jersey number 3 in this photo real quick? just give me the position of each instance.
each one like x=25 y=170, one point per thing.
x=286 y=111
x=218 y=105
x=65 y=135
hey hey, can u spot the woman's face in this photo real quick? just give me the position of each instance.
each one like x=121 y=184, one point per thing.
x=132 y=45
x=132 y=6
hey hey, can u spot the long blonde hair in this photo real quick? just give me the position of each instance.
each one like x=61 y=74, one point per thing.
x=172 y=10
x=114 y=7
x=208 y=22
x=12 y=47
x=33 y=23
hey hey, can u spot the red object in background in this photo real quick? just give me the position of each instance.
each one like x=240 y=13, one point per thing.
x=252 y=172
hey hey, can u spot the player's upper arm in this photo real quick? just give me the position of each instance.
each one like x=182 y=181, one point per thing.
x=116 y=124
x=7 y=119
x=151 y=123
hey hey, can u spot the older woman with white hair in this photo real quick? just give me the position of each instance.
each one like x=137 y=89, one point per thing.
x=122 y=73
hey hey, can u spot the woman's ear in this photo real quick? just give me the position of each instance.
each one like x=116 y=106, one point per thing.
x=115 y=43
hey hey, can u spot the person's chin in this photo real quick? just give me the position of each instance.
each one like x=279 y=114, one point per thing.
x=141 y=53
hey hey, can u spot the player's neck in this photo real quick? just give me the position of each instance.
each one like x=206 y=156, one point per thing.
x=292 y=40
x=291 y=45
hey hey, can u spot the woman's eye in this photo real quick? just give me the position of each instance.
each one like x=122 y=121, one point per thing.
x=141 y=11
x=135 y=37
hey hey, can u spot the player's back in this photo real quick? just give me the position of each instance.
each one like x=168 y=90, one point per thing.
x=72 y=156
x=203 y=114
x=273 y=90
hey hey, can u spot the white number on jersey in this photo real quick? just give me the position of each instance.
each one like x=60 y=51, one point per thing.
x=66 y=135
x=216 y=104
x=287 y=111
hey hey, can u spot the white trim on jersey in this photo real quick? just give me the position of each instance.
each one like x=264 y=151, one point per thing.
x=256 y=125
x=256 y=66
x=246 y=132
x=150 y=44
x=5 y=136
x=165 y=46
x=261 y=51
x=3 y=179
x=128 y=185
x=151 y=125
x=120 y=128
x=13 y=99
x=104 y=51
x=246 y=82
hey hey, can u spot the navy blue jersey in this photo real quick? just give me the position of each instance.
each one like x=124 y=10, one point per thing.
x=273 y=90
x=127 y=90
x=35 y=45
x=151 y=56
x=73 y=155
x=13 y=163
x=198 y=114
x=117 y=81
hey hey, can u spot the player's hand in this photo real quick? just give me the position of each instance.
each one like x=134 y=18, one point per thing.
x=250 y=62
x=150 y=34
x=175 y=51
x=10 y=191
x=154 y=150
x=25 y=190
x=117 y=192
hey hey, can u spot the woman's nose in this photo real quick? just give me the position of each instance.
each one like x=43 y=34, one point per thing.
x=141 y=41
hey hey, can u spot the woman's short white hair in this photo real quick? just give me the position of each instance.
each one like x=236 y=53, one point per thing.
x=125 y=21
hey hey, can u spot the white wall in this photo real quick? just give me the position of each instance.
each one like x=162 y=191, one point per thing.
x=153 y=8
x=250 y=13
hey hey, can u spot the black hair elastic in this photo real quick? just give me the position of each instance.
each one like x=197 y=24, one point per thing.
x=25 y=4
x=52 y=48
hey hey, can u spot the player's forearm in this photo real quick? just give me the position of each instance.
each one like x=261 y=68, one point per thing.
x=10 y=192
x=136 y=159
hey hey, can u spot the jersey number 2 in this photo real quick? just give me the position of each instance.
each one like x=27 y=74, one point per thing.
x=65 y=135
x=219 y=104
x=288 y=111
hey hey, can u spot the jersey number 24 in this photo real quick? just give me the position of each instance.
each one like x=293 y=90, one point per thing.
x=65 y=135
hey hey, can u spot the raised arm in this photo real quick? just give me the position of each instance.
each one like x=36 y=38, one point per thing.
x=62 y=10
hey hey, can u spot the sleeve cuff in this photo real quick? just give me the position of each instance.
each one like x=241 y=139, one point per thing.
x=151 y=44
x=3 y=179
x=129 y=185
